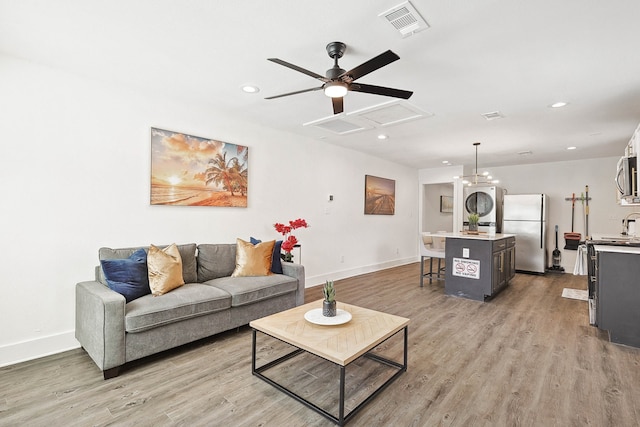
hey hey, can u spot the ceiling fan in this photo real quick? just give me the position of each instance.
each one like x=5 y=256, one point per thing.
x=338 y=82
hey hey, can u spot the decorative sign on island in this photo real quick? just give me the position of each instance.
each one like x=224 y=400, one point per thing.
x=469 y=268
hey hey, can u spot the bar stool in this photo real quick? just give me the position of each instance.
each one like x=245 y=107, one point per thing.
x=431 y=247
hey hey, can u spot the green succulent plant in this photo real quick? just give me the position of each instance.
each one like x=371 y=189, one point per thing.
x=474 y=218
x=329 y=291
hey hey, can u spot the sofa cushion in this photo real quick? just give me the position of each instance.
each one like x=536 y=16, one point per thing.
x=165 y=269
x=187 y=253
x=189 y=300
x=276 y=263
x=216 y=260
x=253 y=260
x=247 y=290
x=129 y=276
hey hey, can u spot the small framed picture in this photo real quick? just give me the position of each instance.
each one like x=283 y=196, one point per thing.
x=446 y=204
x=379 y=195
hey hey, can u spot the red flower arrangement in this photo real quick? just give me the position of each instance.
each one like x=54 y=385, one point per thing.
x=290 y=240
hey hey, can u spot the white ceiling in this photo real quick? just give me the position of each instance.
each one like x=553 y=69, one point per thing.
x=479 y=56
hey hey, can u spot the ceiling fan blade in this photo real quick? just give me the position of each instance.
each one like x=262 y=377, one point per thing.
x=295 y=93
x=380 y=90
x=338 y=105
x=299 y=69
x=373 y=64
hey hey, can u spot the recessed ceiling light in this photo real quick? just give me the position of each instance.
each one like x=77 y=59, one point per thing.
x=445 y=161
x=558 y=104
x=383 y=136
x=571 y=148
x=250 y=89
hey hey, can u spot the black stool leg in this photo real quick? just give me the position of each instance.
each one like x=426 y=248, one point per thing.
x=430 y=270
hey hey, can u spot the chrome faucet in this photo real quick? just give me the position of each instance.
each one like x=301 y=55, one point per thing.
x=625 y=222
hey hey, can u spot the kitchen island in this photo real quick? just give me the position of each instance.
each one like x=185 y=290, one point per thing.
x=478 y=266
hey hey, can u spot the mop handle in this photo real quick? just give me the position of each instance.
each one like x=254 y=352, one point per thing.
x=586 y=213
x=573 y=209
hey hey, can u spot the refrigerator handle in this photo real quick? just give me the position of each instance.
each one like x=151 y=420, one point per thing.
x=542 y=221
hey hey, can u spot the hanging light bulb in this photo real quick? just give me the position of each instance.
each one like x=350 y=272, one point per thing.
x=476 y=178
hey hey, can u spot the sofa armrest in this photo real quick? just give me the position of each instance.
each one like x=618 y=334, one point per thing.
x=100 y=323
x=297 y=272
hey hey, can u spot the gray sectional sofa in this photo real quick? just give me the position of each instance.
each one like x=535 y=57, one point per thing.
x=114 y=332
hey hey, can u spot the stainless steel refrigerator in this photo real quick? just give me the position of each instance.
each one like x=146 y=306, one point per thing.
x=525 y=215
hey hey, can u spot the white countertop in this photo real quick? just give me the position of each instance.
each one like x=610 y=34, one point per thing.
x=619 y=249
x=482 y=236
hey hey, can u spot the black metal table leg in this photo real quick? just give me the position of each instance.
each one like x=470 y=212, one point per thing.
x=341 y=410
x=342 y=418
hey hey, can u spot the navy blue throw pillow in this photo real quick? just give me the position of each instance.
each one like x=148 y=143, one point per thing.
x=276 y=264
x=128 y=276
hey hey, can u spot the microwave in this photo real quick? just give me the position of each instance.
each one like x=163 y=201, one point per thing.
x=626 y=175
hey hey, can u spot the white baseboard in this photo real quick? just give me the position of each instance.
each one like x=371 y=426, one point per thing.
x=37 y=348
x=52 y=344
x=343 y=274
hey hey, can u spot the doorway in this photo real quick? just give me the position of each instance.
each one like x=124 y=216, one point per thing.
x=437 y=207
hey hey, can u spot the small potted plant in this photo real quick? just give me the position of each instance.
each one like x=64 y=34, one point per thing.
x=329 y=303
x=473 y=222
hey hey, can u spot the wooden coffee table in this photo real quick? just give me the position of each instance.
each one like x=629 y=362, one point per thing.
x=339 y=344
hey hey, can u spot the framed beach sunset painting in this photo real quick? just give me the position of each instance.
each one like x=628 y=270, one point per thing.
x=189 y=170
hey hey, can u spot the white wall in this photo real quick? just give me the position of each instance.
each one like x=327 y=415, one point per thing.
x=74 y=176
x=433 y=220
x=427 y=177
x=559 y=180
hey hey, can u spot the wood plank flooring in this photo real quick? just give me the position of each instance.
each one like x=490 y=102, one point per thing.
x=526 y=358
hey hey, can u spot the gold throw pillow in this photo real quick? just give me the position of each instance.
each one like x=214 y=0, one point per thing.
x=253 y=260
x=165 y=269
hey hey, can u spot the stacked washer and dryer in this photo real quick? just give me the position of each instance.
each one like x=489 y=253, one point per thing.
x=486 y=201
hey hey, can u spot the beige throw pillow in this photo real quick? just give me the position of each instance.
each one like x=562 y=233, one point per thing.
x=165 y=269
x=253 y=260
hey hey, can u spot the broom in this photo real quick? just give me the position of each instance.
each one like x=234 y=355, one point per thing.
x=572 y=240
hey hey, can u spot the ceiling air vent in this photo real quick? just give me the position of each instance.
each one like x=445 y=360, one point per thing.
x=390 y=113
x=405 y=18
x=493 y=115
x=338 y=124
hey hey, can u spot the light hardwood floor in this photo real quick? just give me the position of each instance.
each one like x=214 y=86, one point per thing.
x=526 y=358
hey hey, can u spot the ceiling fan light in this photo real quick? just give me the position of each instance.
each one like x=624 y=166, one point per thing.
x=335 y=89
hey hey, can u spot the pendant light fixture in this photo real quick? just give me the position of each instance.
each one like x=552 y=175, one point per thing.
x=477 y=178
